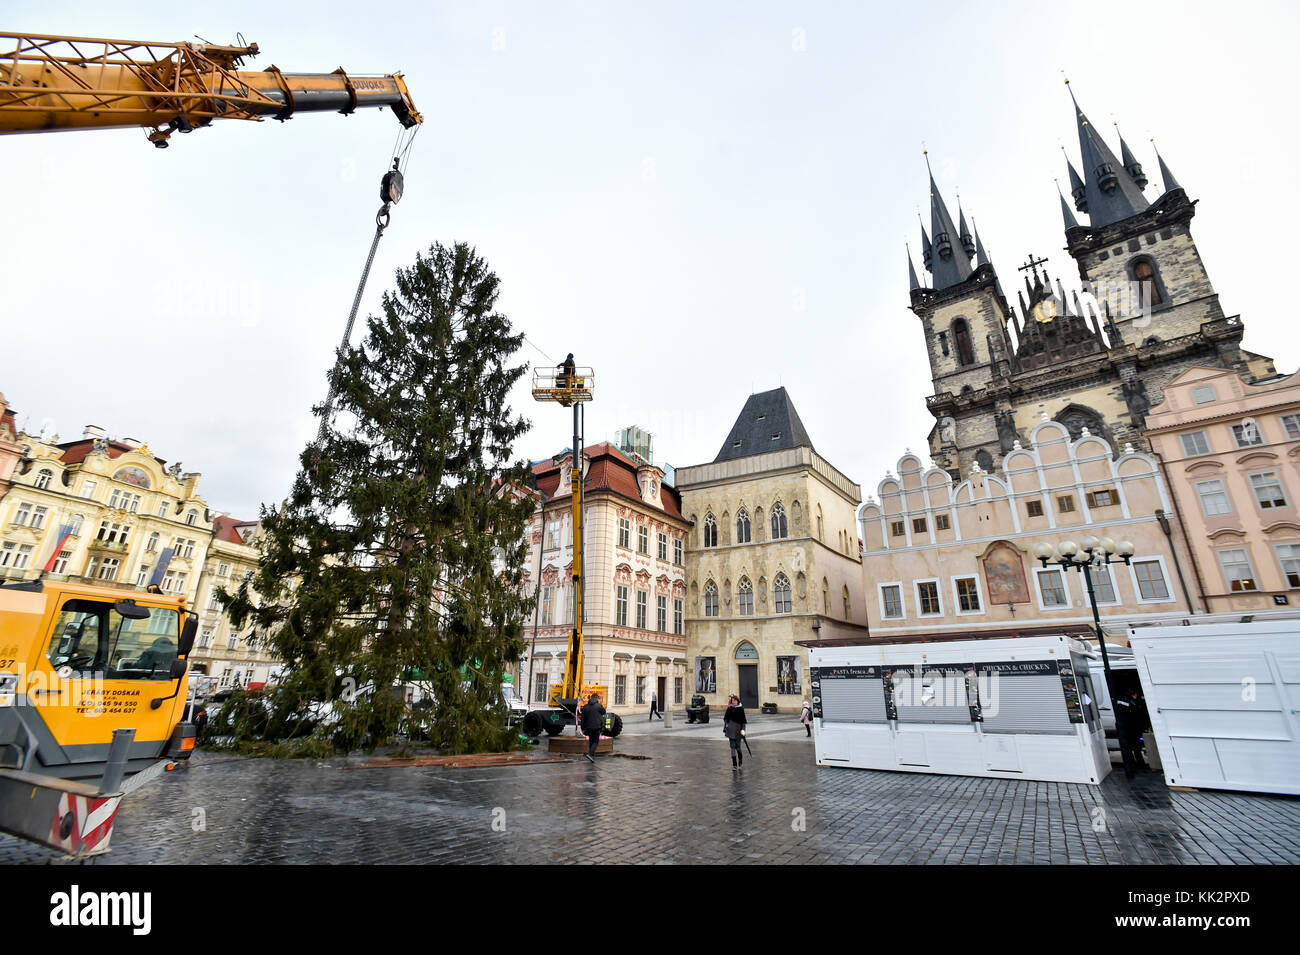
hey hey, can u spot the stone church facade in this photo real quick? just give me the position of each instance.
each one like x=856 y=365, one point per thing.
x=1096 y=357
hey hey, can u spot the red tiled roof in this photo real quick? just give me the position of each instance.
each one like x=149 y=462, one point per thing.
x=227 y=528
x=610 y=470
x=77 y=451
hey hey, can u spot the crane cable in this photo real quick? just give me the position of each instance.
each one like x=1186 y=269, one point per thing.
x=382 y=218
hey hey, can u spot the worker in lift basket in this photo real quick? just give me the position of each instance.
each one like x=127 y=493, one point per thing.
x=565 y=378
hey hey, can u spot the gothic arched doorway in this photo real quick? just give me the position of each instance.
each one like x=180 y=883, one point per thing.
x=747 y=675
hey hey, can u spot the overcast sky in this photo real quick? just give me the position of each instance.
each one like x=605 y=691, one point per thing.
x=699 y=200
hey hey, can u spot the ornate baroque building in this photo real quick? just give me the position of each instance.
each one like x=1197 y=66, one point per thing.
x=1097 y=357
x=772 y=558
x=634 y=573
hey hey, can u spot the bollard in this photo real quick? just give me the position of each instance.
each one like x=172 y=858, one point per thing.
x=115 y=767
x=668 y=718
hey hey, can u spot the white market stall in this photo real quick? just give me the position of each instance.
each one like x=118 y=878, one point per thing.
x=1020 y=708
x=1223 y=700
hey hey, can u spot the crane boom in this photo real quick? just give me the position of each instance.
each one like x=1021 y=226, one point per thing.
x=50 y=83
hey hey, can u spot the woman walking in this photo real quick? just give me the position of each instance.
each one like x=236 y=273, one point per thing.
x=805 y=717
x=733 y=727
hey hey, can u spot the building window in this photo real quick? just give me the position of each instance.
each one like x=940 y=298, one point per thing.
x=897 y=529
x=232 y=641
x=1051 y=589
x=1105 y=498
x=620 y=606
x=781 y=593
x=61 y=562
x=24 y=556
x=1194 y=443
x=223 y=570
x=214 y=602
x=677 y=689
x=112 y=533
x=1150 y=577
x=1237 y=570
x=624 y=532
x=23 y=515
x=663 y=546
x=661 y=613
x=43 y=479
x=640 y=691
x=677 y=550
x=961 y=338
x=548 y=605
x=7 y=552
x=891 y=601
x=1144 y=274
x=642 y=604
x=38 y=518
x=848 y=607
x=620 y=690
x=710 y=599
x=744 y=530
x=927 y=598
x=941 y=522
x=108 y=568
x=780 y=527
x=1291 y=423
x=710 y=531
x=1247 y=434
x=821 y=531
x=88 y=489
x=1214 y=497
x=553 y=535
x=1268 y=489
x=918 y=525
x=1034 y=508
x=745 y=598
x=643 y=540
x=968 y=595
x=152 y=544
x=1289 y=556
x=1104 y=585
x=1065 y=503
x=1203 y=394
x=192 y=518
x=74 y=525
x=679 y=617
x=162 y=508
x=205 y=640
x=540 y=687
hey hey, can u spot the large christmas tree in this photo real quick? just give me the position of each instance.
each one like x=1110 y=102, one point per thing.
x=398 y=557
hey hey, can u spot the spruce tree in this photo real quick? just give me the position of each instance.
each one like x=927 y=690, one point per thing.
x=398 y=556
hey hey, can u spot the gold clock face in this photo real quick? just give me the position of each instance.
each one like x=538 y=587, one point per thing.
x=1045 y=310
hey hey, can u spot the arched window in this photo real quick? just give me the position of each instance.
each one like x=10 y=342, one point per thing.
x=43 y=479
x=780 y=527
x=826 y=596
x=847 y=613
x=710 y=599
x=1144 y=273
x=821 y=530
x=984 y=460
x=781 y=593
x=191 y=517
x=745 y=598
x=153 y=542
x=961 y=338
x=744 y=530
x=710 y=531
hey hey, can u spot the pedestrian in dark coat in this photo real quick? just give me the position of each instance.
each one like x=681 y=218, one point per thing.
x=733 y=727
x=592 y=722
x=805 y=717
x=654 y=705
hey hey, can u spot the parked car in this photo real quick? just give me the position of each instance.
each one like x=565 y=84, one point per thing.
x=698 y=711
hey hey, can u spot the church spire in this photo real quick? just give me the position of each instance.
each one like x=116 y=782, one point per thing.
x=951 y=264
x=1165 y=175
x=912 y=281
x=1131 y=165
x=1070 y=221
x=967 y=242
x=1077 y=188
x=981 y=257
x=927 y=250
x=1110 y=189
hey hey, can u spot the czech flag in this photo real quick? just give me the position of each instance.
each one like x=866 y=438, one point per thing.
x=61 y=538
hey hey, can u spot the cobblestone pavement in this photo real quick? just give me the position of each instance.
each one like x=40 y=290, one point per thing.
x=682 y=805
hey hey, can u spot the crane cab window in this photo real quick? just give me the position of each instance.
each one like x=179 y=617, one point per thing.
x=90 y=636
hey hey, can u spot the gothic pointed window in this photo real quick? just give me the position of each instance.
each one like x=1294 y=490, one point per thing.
x=745 y=598
x=781 y=593
x=780 y=527
x=710 y=531
x=744 y=528
x=1144 y=274
x=710 y=599
x=961 y=338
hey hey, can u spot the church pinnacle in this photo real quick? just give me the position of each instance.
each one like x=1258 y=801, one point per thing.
x=950 y=263
x=1111 y=189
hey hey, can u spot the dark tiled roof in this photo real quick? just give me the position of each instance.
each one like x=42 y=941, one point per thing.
x=768 y=422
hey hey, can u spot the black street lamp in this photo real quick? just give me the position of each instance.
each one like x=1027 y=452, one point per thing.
x=1088 y=553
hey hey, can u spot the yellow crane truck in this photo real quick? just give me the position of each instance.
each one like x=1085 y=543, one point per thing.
x=92 y=682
